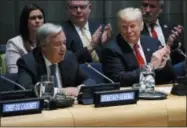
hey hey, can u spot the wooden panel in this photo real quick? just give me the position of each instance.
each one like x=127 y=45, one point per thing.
x=60 y=117
x=176 y=111
x=145 y=113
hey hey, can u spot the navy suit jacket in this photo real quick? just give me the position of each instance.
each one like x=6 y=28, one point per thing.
x=74 y=42
x=32 y=65
x=166 y=29
x=120 y=64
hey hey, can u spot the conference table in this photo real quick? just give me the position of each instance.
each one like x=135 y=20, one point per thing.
x=168 y=112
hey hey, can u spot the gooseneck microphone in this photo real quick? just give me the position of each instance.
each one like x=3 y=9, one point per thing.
x=11 y=81
x=98 y=72
x=180 y=52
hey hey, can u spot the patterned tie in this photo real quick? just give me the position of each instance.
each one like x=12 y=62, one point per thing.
x=87 y=41
x=139 y=58
x=53 y=72
x=153 y=32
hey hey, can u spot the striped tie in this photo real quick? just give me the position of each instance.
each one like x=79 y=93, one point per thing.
x=53 y=72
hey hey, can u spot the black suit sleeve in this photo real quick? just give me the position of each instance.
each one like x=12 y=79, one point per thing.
x=165 y=75
x=83 y=55
x=114 y=68
x=24 y=74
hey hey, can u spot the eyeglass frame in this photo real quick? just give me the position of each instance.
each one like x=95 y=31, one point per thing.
x=81 y=7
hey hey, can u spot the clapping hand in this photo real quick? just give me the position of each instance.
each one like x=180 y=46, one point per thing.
x=160 y=57
x=107 y=33
x=175 y=34
x=95 y=38
x=100 y=37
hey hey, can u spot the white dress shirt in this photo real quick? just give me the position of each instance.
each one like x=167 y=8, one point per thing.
x=140 y=50
x=159 y=32
x=58 y=75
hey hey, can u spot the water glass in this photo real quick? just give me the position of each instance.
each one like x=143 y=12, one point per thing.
x=147 y=79
x=45 y=87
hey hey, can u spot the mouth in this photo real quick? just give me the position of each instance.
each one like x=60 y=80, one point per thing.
x=79 y=17
x=147 y=16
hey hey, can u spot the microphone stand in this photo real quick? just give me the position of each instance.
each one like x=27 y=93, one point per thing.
x=11 y=81
x=89 y=66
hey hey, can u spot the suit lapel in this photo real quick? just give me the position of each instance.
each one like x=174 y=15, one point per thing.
x=145 y=30
x=75 y=36
x=127 y=52
x=165 y=30
x=147 y=49
x=40 y=62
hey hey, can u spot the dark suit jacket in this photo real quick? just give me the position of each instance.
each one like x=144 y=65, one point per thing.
x=166 y=29
x=120 y=64
x=74 y=42
x=31 y=66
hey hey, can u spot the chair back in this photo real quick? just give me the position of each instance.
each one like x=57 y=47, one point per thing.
x=92 y=74
x=3 y=64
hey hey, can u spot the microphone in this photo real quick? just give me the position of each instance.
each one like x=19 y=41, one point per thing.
x=12 y=82
x=98 y=72
x=181 y=52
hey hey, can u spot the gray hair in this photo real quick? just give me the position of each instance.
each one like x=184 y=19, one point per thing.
x=68 y=1
x=45 y=31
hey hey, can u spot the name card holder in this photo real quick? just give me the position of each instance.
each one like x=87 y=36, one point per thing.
x=21 y=106
x=116 y=97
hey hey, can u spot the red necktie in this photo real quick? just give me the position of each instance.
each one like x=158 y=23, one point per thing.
x=139 y=58
x=153 y=32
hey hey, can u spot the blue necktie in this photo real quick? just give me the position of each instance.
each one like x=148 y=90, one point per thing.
x=53 y=72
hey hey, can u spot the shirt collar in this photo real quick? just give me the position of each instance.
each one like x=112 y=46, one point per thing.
x=132 y=45
x=156 y=23
x=47 y=62
x=86 y=26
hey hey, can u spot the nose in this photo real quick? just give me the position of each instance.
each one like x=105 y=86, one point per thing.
x=63 y=47
x=37 y=20
x=128 y=29
x=78 y=9
x=147 y=9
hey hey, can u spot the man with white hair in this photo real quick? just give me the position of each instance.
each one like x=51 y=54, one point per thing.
x=50 y=56
x=123 y=57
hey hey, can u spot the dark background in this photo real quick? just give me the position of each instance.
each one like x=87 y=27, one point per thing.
x=175 y=11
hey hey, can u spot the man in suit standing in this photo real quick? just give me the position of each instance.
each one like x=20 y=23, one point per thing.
x=50 y=57
x=124 y=56
x=156 y=28
x=84 y=37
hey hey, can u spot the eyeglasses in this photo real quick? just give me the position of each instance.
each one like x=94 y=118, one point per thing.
x=35 y=17
x=82 y=7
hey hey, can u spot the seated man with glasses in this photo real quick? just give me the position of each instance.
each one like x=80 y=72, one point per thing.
x=84 y=37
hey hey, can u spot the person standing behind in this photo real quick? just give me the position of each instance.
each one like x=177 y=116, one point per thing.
x=32 y=17
x=157 y=28
x=124 y=56
x=84 y=37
